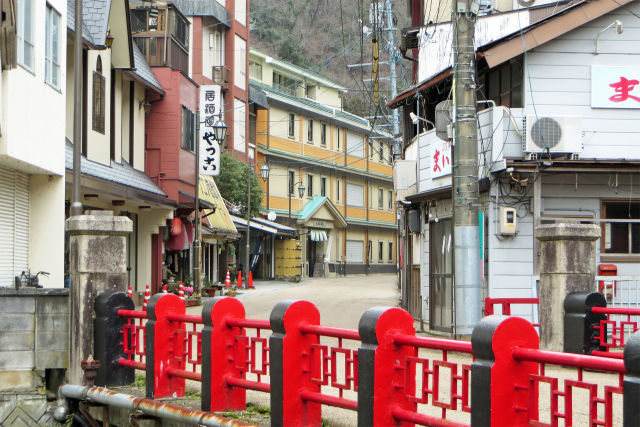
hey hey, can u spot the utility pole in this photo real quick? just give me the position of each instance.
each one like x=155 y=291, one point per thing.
x=391 y=37
x=466 y=257
x=247 y=257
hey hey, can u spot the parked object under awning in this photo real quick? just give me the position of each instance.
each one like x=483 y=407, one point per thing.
x=318 y=235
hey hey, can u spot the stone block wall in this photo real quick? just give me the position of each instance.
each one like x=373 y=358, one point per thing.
x=34 y=352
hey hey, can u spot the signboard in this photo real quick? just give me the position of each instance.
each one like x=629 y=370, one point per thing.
x=440 y=158
x=210 y=114
x=615 y=87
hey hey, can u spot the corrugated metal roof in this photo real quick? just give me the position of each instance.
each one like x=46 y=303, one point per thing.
x=204 y=8
x=220 y=220
x=119 y=173
x=143 y=70
x=258 y=96
x=71 y=23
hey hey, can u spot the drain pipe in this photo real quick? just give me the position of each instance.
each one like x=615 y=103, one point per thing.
x=150 y=407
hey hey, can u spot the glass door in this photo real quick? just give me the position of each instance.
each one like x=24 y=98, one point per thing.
x=441 y=275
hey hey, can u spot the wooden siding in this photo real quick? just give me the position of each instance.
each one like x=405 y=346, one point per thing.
x=558 y=82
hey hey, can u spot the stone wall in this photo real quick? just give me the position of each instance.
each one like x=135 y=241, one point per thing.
x=34 y=355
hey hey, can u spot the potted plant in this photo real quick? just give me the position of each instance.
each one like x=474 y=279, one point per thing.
x=208 y=287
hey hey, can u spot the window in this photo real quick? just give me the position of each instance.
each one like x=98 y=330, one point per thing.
x=216 y=45
x=390 y=154
x=503 y=85
x=355 y=145
x=52 y=48
x=338 y=191
x=240 y=70
x=97 y=122
x=285 y=84
x=310 y=91
x=390 y=252
x=309 y=185
x=323 y=186
x=24 y=33
x=370 y=150
x=323 y=135
x=355 y=195
x=380 y=198
x=380 y=251
x=310 y=130
x=292 y=177
x=138 y=18
x=292 y=124
x=241 y=11
x=239 y=137
x=188 y=129
x=180 y=30
x=390 y=206
x=621 y=237
x=255 y=70
x=381 y=151
x=338 y=139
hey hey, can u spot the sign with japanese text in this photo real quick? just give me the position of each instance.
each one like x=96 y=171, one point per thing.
x=440 y=158
x=615 y=87
x=210 y=114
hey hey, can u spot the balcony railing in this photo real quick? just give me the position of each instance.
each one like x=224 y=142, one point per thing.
x=153 y=49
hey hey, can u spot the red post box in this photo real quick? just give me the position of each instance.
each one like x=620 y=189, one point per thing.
x=608 y=288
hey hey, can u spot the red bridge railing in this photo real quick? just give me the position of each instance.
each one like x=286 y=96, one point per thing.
x=383 y=371
x=505 y=305
x=613 y=331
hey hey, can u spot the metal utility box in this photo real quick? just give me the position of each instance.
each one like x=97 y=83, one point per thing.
x=508 y=221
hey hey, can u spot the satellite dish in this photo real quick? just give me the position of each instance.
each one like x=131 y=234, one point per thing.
x=271 y=216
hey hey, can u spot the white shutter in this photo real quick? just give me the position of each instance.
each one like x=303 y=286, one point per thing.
x=355 y=145
x=355 y=251
x=14 y=225
x=355 y=195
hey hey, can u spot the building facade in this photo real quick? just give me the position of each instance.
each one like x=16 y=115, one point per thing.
x=555 y=144
x=345 y=214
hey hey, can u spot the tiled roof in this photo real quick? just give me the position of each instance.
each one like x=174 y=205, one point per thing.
x=119 y=173
x=204 y=8
x=71 y=23
x=96 y=16
x=143 y=70
x=258 y=97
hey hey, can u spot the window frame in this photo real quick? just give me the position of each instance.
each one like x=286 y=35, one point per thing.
x=188 y=123
x=21 y=38
x=292 y=180
x=323 y=134
x=380 y=251
x=309 y=185
x=390 y=252
x=310 y=131
x=381 y=153
x=380 y=198
x=323 y=186
x=390 y=203
x=292 y=125
x=629 y=233
x=98 y=104
x=52 y=53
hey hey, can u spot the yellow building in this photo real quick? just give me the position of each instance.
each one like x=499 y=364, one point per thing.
x=330 y=174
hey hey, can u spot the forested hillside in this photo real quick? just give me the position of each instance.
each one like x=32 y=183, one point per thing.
x=325 y=36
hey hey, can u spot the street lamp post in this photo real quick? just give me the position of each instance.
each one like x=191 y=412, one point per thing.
x=219 y=134
x=264 y=173
x=301 y=189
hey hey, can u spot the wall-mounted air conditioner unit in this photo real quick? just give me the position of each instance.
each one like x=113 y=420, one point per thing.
x=555 y=134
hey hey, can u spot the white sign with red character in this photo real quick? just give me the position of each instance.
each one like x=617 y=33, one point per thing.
x=440 y=158
x=615 y=87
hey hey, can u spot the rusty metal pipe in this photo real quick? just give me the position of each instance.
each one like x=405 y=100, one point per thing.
x=150 y=407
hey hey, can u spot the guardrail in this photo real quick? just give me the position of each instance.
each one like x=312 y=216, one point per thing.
x=383 y=371
x=505 y=305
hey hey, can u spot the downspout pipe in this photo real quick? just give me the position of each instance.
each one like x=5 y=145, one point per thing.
x=154 y=408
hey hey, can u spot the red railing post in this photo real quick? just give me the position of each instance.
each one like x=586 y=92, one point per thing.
x=220 y=360
x=498 y=382
x=382 y=383
x=488 y=306
x=290 y=354
x=164 y=348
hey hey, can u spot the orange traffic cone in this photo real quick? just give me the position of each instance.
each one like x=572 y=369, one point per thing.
x=250 y=281
x=181 y=291
x=147 y=295
x=130 y=292
x=227 y=280
x=164 y=289
x=239 y=282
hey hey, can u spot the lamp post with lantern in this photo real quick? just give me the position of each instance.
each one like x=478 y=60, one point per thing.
x=301 y=189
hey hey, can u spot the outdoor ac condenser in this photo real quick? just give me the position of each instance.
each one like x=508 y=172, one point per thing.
x=553 y=134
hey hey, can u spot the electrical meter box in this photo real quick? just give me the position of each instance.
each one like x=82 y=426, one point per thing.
x=508 y=221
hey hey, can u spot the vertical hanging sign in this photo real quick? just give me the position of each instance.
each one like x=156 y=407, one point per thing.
x=210 y=114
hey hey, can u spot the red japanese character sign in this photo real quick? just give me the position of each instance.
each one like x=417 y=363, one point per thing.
x=615 y=87
x=440 y=157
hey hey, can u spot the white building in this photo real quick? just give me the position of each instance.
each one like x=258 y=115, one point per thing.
x=32 y=147
x=573 y=72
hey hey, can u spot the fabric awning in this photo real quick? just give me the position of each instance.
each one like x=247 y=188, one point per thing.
x=219 y=220
x=318 y=235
